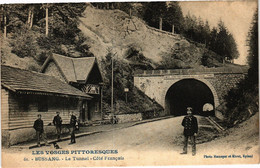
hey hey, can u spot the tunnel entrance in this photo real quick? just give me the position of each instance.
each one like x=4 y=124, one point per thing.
x=188 y=93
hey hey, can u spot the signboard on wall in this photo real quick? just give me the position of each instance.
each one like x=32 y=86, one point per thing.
x=91 y=89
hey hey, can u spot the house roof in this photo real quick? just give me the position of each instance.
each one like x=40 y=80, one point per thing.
x=73 y=69
x=24 y=81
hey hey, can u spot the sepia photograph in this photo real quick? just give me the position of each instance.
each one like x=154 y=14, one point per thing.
x=119 y=84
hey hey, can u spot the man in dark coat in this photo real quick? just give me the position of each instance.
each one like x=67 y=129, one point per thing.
x=73 y=120
x=190 y=125
x=57 y=121
x=38 y=126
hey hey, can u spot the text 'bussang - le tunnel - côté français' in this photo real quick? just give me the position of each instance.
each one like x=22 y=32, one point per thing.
x=189 y=93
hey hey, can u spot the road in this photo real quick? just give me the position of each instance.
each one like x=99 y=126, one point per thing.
x=156 y=135
x=152 y=143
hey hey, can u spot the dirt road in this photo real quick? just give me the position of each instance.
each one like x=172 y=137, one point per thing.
x=154 y=143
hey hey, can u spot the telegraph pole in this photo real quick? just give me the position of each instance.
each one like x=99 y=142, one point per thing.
x=112 y=87
x=47 y=20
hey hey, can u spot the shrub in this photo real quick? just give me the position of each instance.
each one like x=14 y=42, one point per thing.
x=24 y=44
x=242 y=102
x=123 y=77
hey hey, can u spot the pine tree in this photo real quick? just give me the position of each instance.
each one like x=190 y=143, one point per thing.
x=154 y=13
x=225 y=44
x=243 y=101
x=174 y=17
x=213 y=39
x=190 y=26
x=252 y=58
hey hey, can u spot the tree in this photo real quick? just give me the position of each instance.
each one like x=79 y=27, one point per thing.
x=64 y=36
x=225 y=44
x=174 y=17
x=27 y=25
x=122 y=77
x=232 y=51
x=243 y=101
x=123 y=6
x=11 y=17
x=213 y=39
x=202 y=33
x=252 y=43
x=190 y=26
x=154 y=13
x=206 y=32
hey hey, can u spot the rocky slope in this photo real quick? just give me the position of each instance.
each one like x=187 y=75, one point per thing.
x=116 y=30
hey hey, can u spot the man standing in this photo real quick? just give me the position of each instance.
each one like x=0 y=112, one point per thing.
x=73 y=120
x=190 y=125
x=38 y=126
x=57 y=121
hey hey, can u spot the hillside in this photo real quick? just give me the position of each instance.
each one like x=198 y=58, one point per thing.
x=117 y=30
x=11 y=59
x=243 y=137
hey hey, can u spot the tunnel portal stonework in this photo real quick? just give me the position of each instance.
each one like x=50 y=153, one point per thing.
x=156 y=83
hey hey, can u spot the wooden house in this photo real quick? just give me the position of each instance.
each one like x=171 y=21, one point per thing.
x=82 y=73
x=24 y=94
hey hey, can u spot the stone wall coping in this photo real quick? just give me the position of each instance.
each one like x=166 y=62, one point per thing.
x=218 y=70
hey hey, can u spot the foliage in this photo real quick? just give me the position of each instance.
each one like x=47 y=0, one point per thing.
x=243 y=101
x=136 y=58
x=253 y=50
x=153 y=12
x=173 y=16
x=24 y=43
x=170 y=13
x=123 y=78
x=26 y=24
x=225 y=44
x=186 y=55
x=217 y=39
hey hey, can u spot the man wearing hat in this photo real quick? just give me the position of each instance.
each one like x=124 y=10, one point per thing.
x=57 y=121
x=73 y=121
x=190 y=125
x=38 y=126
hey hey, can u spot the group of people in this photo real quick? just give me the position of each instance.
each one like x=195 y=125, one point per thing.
x=189 y=123
x=57 y=121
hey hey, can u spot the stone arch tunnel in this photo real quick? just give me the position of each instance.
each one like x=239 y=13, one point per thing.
x=175 y=89
x=188 y=93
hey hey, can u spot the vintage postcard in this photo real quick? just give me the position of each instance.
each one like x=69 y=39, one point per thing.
x=129 y=83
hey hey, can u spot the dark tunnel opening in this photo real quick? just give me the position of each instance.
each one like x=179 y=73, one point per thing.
x=188 y=93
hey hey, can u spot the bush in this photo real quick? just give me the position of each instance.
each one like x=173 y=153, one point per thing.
x=181 y=55
x=24 y=44
x=123 y=78
x=242 y=102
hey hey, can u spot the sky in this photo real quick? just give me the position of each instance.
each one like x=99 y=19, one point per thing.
x=236 y=15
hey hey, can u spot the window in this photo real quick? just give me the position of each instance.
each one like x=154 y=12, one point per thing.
x=42 y=105
x=23 y=103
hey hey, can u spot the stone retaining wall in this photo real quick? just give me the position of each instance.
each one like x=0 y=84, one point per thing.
x=123 y=118
x=13 y=137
